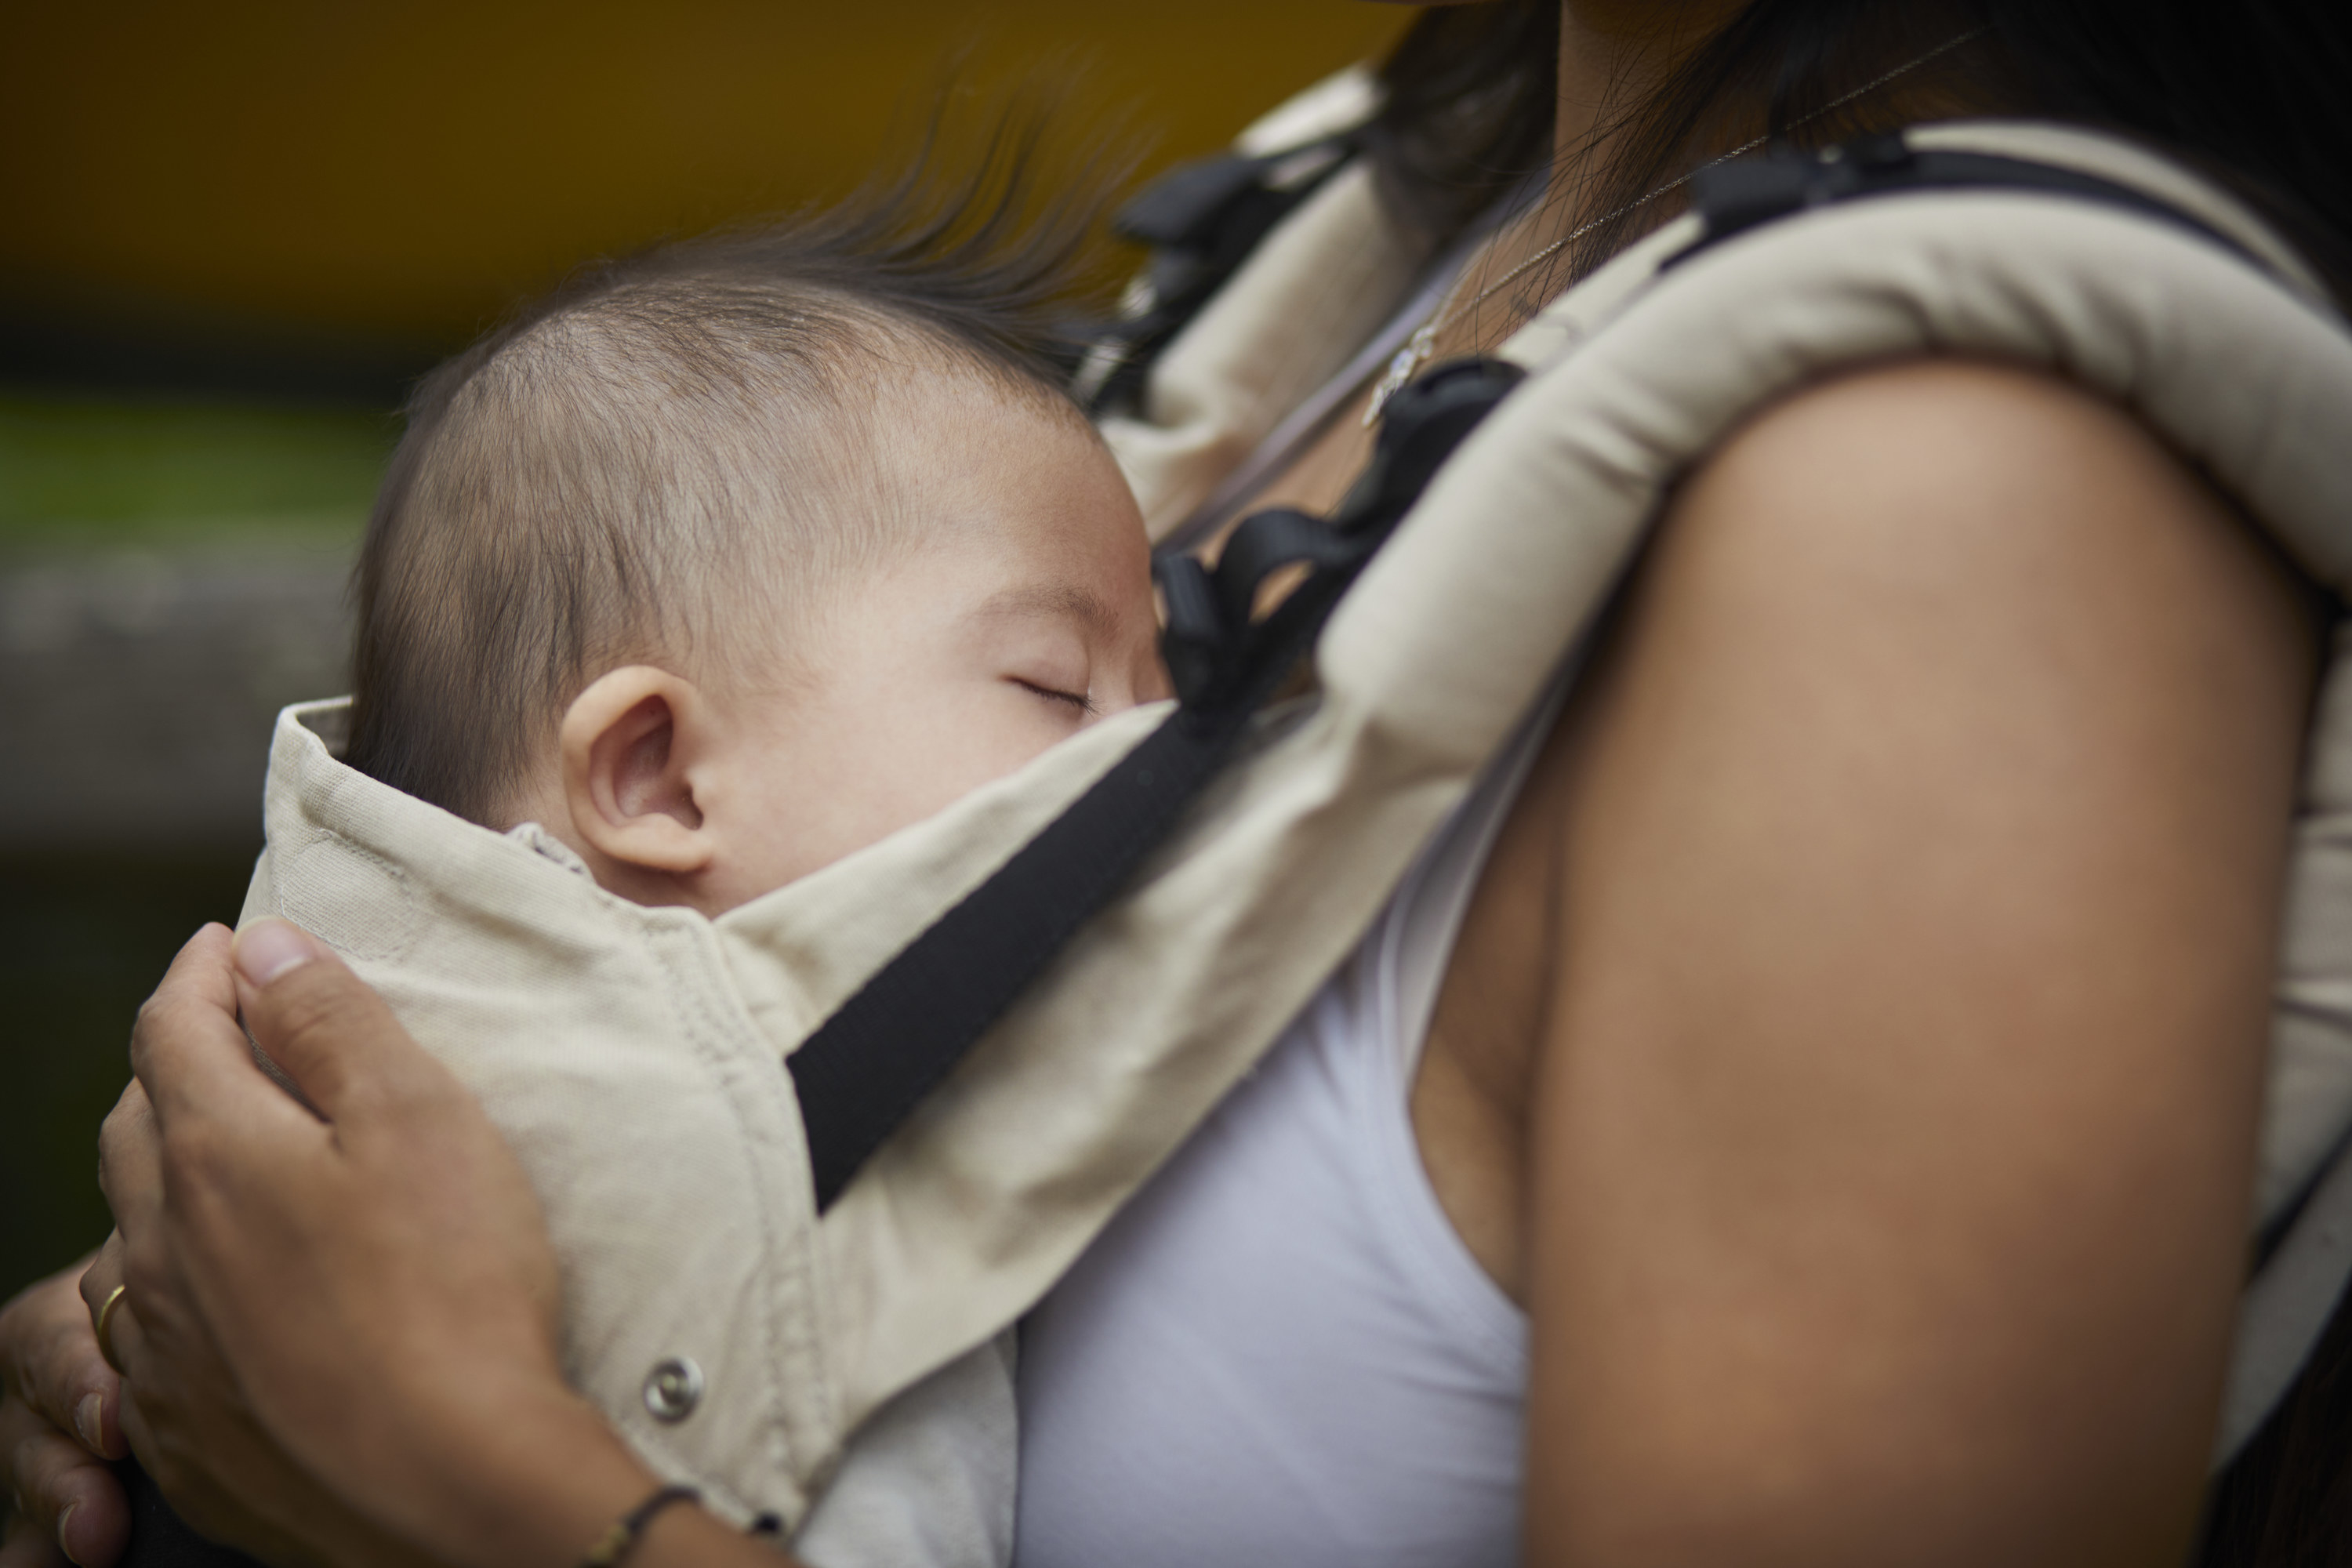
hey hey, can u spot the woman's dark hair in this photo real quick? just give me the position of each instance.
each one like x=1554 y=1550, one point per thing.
x=2256 y=93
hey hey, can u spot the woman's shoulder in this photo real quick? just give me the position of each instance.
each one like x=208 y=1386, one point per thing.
x=1942 y=452
x=1993 y=493
x=2111 y=314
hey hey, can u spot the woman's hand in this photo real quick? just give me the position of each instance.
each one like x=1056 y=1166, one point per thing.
x=278 y=1513
x=58 y=1426
x=367 y=1286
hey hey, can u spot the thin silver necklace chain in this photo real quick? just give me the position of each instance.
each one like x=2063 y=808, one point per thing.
x=1423 y=341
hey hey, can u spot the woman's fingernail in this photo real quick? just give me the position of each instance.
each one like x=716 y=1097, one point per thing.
x=89 y=1420
x=64 y=1523
x=267 y=949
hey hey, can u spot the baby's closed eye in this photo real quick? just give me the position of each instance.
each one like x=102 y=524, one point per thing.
x=1078 y=701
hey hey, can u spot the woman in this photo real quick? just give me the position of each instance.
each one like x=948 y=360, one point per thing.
x=1952 y=722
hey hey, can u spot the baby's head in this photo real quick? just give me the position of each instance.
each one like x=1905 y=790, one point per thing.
x=731 y=559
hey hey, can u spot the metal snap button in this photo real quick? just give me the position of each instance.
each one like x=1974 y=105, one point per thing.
x=673 y=1388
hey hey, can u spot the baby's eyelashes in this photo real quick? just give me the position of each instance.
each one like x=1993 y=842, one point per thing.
x=1078 y=702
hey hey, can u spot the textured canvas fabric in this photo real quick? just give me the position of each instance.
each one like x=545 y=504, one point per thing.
x=609 y=1042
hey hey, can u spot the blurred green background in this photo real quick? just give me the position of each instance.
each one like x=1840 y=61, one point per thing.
x=232 y=234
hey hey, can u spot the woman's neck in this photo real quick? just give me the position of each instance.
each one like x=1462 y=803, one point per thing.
x=1612 y=54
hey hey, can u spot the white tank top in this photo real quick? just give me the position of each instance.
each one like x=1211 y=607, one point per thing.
x=1281 y=1352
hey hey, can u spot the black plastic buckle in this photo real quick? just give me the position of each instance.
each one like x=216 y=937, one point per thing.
x=1219 y=649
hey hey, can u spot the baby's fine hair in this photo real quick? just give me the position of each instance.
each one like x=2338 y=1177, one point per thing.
x=670 y=449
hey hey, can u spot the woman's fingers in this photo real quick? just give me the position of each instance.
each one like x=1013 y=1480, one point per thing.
x=24 y=1545
x=58 y=1422
x=263 y=1241
x=51 y=1363
x=192 y=1429
x=200 y=1128
x=101 y=1285
x=325 y=1028
x=129 y=1170
x=131 y=1175
x=198 y=1505
x=228 y=1479
x=71 y=1507
x=113 y=1321
x=138 y=1259
x=189 y=1052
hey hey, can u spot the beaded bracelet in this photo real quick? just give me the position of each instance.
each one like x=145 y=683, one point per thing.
x=621 y=1540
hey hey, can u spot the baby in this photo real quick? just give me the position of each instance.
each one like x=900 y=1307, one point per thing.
x=736 y=558
x=713 y=569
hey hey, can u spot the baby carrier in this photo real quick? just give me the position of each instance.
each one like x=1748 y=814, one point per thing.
x=2052 y=247
x=1504 y=501
x=996 y=1024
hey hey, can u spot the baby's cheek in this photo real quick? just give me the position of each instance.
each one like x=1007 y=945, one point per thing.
x=991 y=730
x=1016 y=726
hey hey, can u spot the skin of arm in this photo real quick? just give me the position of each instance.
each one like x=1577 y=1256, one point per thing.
x=1905 y=889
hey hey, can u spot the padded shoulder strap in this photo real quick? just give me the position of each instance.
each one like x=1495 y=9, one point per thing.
x=868 y=1066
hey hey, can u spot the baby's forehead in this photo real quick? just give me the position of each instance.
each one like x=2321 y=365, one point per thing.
x=936 y=385
x=949 y=423
x=866 y=413
x=872 y=435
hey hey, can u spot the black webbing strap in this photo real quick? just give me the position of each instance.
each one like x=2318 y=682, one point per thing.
x=1748 y=193
x=868 y=1066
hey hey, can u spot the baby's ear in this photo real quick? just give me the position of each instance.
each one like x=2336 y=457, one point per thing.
x=629 y=744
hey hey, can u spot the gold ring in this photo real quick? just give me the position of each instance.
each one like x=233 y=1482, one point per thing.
x=105 y=1321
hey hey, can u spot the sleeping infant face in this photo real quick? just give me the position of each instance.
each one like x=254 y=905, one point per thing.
x=1021 y=613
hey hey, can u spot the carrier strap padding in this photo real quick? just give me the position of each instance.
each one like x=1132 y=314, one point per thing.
x=1748 y=193
x=868 y=1066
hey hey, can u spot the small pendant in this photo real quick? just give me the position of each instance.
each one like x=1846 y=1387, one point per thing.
x=1400 y=369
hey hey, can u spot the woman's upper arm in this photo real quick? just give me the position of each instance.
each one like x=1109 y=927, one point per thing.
x=1895 y=1119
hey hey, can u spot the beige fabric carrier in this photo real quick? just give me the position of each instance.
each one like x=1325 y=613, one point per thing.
x=632 y=1055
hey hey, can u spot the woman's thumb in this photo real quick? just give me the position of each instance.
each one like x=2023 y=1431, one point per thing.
x=313 y=1019
x=270 y=948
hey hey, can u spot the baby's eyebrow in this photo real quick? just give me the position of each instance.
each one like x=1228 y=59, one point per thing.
x=1055 y=601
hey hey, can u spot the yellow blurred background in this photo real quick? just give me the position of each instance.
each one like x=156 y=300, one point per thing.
x=394 y=175
x=228 y=236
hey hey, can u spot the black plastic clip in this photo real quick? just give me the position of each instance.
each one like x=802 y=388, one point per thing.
x=1221 y=649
